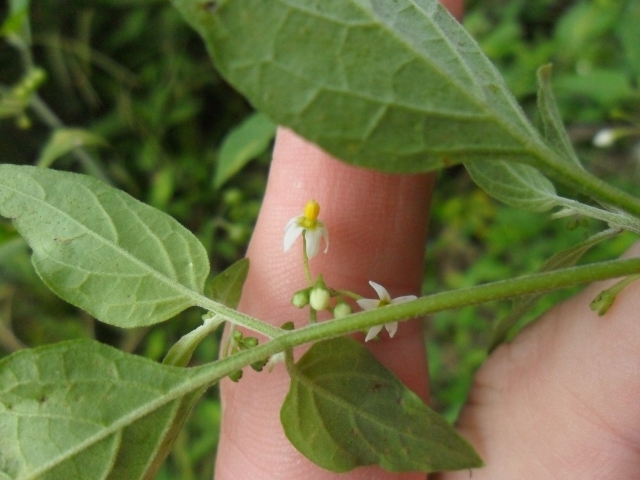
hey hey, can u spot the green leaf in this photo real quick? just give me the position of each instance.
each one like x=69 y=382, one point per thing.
x=524 y=187
x=554 y=131
x=344 y=409
x=65 y=140
x=82 y=410
x=98 y=248
x=242 y=144
x=518 y=185
x=399 y=86
x=563 y=259
x=609 y=87
x=226 y=288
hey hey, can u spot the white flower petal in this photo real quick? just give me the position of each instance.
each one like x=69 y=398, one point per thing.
x=406 y=298
x=291 y=233
x=368 y=304
x=392 y=328
x=381 y=291
x=313 y=238
x=373 y=332
x=325 y=235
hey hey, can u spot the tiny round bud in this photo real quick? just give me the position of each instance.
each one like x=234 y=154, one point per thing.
x=319 y=298
x=235 y=376
x=288 y=326
x=342 y=309
x=259 y=365
x=301 y=298
x=250 y=342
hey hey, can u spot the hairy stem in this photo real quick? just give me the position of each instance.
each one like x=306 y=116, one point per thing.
x=585 y=182
x=501 y=290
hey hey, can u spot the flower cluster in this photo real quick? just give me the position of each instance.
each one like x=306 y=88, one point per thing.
x=317 y=296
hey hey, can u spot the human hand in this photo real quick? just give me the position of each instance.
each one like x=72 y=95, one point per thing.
x=559 y=402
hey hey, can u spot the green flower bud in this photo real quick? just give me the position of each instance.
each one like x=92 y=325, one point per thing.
x=342 y=309
x=301 y=298
x=250 y=342
x=259 y=365
x=235 y=376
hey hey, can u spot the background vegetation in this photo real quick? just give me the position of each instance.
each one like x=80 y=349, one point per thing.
x=134 y=86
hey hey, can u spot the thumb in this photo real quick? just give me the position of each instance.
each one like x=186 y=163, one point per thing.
x=561 y=401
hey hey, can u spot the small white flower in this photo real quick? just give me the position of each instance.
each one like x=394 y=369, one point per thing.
x=314 y=230
x=383 y=300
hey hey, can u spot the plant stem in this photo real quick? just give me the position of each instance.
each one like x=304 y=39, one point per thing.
x=585 y=182
x=526 y=285
x=305 y=259
x=207 y=375
x=237 y=317
x=347 y=293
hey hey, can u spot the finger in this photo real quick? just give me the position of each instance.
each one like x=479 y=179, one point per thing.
x=561 y=401
x=377 y=227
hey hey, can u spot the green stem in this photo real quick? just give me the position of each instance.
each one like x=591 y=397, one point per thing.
x=584 y=182
x=529 y=284
x=434 y=303
x=347 y=293
x=305 y=260
x=236 y=317
x=209 y=374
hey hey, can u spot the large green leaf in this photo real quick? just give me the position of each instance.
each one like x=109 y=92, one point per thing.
x=83 y=410
x=395 y=85
x=344 y=409
x=126 y=263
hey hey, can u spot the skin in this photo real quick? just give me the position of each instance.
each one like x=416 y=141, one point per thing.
x=559 y=402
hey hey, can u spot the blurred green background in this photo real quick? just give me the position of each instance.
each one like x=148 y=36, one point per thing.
x=131 y=84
